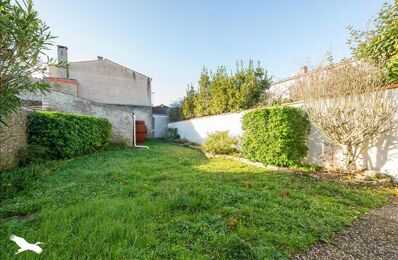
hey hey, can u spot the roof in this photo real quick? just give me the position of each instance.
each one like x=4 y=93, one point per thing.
x=161 y=109
x=310 y=72
x=106 y=60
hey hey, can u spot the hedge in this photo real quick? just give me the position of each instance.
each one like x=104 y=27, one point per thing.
x=67 y=135
x=276 y=135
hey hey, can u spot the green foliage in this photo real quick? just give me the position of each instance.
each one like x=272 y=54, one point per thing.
x=67 y=135
x=151 y=204
x=17 y=180
x=24 y=38
x=172 y=134
x=175 y=111
x=187 y=106
x=220 y=142
x=276 y=135
x=380 y=43
x=32 y=153
x=221 y=92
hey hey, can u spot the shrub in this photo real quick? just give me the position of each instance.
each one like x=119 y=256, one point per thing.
x=67 y=135
x=220 y=142
x=172 y=134
x=276 y=135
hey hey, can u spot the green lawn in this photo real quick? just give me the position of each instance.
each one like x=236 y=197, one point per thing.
x=172 y=202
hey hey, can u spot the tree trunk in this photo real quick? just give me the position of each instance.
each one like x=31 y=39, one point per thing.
x=350 y=157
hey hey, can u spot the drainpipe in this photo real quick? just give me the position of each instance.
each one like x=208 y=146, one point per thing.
x=134 y=134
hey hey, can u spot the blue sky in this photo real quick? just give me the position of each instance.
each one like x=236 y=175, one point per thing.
x=171 y=41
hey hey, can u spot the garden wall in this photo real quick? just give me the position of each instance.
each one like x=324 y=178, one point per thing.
x=122 y=121
x=196 y=130
x=12 y=138
x=383 y=154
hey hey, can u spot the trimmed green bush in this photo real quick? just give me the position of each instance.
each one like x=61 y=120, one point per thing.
x=220 y=142
x=67 y=135
x=276 y=135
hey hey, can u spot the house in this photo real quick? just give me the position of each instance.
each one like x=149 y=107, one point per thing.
x=105 y=82
x=281 y=89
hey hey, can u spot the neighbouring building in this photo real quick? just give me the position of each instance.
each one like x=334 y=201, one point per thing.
x=160 y=120
x=281 y=89
x=106 y=82
x=100 y=88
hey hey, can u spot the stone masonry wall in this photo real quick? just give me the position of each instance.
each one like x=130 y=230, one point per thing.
x=122 y=121
x=13 y=137
x=141 y=113
x=67 y=86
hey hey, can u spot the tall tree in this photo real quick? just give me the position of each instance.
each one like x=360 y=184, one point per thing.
x=219 y=91
x=23 y=40
x=222 y=92
x=188 y=103
x=379 y=44
x=203 y=98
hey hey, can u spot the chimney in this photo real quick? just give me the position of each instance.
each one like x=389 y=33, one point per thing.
x=62 y=53
x=303 y=70
x=62 y=57
x=100 y=57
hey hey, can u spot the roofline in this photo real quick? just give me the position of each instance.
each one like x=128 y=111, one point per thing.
x=113 y=63
x=310 y=72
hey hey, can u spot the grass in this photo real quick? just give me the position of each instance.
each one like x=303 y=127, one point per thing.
x=172 y=202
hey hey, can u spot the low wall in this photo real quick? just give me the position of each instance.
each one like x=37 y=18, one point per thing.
x=122 y=121
x=382 y=155
x=13 y=137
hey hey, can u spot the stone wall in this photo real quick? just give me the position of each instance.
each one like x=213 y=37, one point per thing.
x=12 y=138
x=141 y=113
x=67 y=86
x=121 y=120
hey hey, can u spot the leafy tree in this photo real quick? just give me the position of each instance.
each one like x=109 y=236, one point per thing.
x=219 y=91
x=222 y=92
x=175 y=111
x=23 y=40
x=203 y=98
x=187 y=106
x=254 y=83
x=380 y=43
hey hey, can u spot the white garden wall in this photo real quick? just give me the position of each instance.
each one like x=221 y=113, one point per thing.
x=196 y=130
x=383 y=154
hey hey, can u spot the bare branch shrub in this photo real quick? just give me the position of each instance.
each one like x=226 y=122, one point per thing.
x=347 y=103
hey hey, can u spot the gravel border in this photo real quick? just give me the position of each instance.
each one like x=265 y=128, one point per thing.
x=374 y=236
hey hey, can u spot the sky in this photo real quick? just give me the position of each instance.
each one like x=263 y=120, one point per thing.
x=171 y=41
